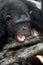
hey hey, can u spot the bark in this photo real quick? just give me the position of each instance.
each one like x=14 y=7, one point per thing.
x=23 y=53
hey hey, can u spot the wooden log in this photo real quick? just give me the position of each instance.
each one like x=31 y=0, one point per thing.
x=23 y=53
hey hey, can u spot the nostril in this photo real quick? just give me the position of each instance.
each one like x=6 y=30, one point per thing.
x=24 y=28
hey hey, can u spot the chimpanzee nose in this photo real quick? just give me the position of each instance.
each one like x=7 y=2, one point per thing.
x=24 y=28
x=25 y=31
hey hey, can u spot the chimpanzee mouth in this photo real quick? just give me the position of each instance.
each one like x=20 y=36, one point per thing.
x=21 y=38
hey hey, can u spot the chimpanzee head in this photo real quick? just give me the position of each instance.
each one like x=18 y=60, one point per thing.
x=17 y=20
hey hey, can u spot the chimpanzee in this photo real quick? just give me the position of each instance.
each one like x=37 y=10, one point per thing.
x=14 y=21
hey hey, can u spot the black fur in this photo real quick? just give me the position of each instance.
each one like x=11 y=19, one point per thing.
x=11 y=11
x=15 y=18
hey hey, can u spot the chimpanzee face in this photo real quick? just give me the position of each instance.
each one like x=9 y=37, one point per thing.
x=20 y=30
x=23 y=31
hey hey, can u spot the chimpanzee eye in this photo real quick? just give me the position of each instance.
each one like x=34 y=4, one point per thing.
x=8 y=17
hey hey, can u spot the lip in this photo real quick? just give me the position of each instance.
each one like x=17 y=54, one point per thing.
x=21 y=38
